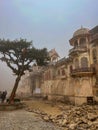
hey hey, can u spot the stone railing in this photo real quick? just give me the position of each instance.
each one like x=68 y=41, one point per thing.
x=75 y=49
x=79 y=71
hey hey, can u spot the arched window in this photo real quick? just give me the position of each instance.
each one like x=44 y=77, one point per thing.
x=82 y=42
x=84 y=62
x=75 y=43
x=76 y=63
x=94 y=55
x=63 y=72
x=58 y=72
x=71 y=68
x=49 y=74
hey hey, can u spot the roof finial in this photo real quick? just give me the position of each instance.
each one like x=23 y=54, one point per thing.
x=81 y=26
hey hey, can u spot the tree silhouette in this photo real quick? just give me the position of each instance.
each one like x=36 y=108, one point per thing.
x=18 y=55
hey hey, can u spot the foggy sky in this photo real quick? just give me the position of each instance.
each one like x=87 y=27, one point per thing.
x=49 y=23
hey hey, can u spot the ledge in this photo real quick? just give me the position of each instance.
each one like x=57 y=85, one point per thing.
x=10 y=107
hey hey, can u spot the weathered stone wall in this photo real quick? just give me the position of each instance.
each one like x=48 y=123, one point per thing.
x=74 y=90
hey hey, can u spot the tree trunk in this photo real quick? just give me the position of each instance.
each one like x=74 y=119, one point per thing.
x=11 y=99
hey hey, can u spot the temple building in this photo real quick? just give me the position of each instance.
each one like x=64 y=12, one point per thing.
x=75 y=78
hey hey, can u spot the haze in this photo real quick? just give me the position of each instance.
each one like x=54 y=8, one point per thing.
x=49 y=23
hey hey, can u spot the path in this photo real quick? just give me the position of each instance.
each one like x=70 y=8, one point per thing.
x=23 y=120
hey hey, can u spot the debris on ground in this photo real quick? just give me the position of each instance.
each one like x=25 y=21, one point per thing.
x=70 y=117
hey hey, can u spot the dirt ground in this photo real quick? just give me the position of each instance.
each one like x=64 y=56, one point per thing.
x=51 y=108
x=69 y=117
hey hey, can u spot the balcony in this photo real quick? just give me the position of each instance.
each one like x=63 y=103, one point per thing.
x=77 y=49
x=88 y=71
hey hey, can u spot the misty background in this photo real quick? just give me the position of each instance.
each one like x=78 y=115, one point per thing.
x=48 y=23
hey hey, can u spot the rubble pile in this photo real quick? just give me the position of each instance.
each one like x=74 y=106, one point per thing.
x=74 y=117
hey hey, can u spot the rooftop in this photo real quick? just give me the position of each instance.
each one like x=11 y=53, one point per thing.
x=81 y=31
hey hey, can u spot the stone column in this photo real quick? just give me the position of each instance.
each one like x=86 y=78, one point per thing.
x=78 y=41
x=96 y=70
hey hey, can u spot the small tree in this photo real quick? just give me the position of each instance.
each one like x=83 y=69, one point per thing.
x=18 y=55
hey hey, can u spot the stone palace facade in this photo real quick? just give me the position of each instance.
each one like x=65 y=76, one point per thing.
x=75 y=78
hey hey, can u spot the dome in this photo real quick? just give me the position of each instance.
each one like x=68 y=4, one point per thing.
x=81 y=31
